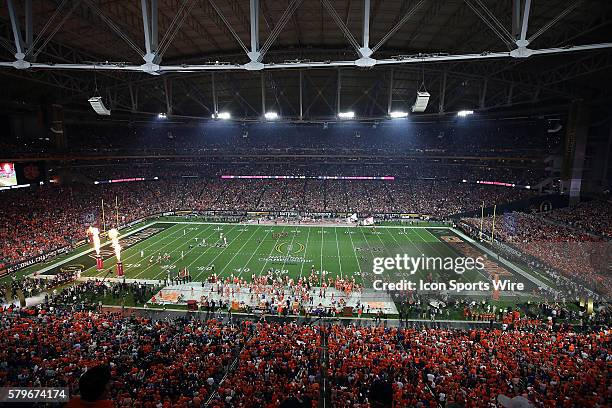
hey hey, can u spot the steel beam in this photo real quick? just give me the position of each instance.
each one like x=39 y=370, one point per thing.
x=525 y=21
x=56 y=28
x=282 y=21
x=146 y=26
x=345 y=30
x=254 y=23
x=175 y=25
x=150 y=27
x=408 y=60
x=114 y=27
x=366 y=24
x=510 y=95
x=490 y=20
x=555 y=20
x=194 y=24
x=191 y=89
x=29 y=28
x=228 y=26
x=154 y=24
x=133 y=97
x=397 y=26
x=483 y=94
x=516 y=18
x=17 y=40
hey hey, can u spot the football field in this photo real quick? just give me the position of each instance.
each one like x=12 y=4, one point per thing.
x=343 y=252
x=244 y=250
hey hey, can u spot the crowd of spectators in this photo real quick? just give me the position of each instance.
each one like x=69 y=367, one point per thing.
x=37 y=220
x=590 y=216
x=186 y=362
x=530 y=313
x=551 y=246
x=281 y=360
x=471 y=368
x=33 y=286
x=402 y=168
x=173 y=362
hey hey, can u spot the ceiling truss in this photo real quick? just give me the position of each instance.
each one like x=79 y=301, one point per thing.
x=294 y=93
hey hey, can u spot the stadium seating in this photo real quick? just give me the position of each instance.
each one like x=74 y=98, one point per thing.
x=35 y=221
x=185 y=363
x=568 y=249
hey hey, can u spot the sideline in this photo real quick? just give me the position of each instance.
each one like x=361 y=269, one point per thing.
x=504 y=261
x=351 y=320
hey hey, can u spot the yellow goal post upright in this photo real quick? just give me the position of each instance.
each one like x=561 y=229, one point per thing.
x=481 y=220
x=493 y=223
x=117 y=211
x=103 y=218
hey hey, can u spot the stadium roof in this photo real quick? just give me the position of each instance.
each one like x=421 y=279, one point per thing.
x=204 y=58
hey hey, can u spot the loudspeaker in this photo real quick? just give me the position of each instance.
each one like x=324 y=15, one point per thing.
x=421 y=102
x=97 y=105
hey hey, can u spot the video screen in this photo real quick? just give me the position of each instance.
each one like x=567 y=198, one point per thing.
x=8 y=177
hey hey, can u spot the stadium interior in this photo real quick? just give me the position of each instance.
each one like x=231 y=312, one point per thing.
x=306 y=203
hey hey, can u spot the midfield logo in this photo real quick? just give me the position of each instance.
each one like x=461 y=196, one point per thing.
x=289 y=248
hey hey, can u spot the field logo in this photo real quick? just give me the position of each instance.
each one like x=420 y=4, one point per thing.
x=286 y=248
x=104 y=253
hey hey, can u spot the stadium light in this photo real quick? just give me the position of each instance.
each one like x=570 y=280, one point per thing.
x=346 y=115
x=464 y=113
x=162 y=115
x=271 y=115
x=222 y=115
x=398 y=114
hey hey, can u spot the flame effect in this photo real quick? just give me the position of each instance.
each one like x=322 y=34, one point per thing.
x=113 y=234
x=95 y=238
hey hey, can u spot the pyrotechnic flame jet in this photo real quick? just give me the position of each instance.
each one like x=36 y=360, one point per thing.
x=113 y=234
x=95 y=238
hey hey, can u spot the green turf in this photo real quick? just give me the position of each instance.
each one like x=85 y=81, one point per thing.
x=344 y=252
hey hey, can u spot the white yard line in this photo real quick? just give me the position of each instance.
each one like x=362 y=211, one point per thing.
x=409 y=241
x=89 y=250
x=197 y=232
x=154 y=241
x=350 y=234
x=207 y=249
x=504 y=261
x=271 y=251
x=321 y=268
x=254 y=252
x=453 y=250
x=287 y=256
x=338 y=249
x=81 y=252
x=162 y=272
x=238 y=252
x=305 y=249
